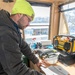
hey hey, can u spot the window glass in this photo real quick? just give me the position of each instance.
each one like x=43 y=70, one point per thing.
x=70 y=18
x=40 y=33
x=67 y=21
x=39 y=27
x=41 y=15
x=68 y=6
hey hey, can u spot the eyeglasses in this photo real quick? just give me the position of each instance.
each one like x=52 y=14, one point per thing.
x=29 y=18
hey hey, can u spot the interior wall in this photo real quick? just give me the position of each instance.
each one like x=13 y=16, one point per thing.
x=6 y=5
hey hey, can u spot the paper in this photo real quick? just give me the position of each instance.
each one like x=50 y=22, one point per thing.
x=47 y=71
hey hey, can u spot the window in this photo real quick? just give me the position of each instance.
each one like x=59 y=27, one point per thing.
x=39 y=27
x=67 y=19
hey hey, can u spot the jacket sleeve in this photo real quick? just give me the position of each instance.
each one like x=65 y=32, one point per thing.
x=28 y=53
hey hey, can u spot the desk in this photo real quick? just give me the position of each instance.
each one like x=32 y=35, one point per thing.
x=70 y=69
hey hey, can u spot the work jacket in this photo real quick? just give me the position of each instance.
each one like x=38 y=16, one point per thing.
x=11 y=48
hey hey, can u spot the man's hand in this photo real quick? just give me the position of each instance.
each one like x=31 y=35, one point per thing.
x=41 y=63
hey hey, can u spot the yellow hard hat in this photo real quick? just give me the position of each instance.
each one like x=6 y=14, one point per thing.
x=23 y=7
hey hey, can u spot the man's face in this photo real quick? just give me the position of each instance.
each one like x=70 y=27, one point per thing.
x=24 y=21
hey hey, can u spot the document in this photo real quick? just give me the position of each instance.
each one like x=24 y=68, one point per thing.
x=47 y=71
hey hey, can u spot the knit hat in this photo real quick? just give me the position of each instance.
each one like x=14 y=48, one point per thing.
x=23 y=7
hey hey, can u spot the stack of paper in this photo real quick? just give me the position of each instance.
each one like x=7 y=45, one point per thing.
x=47 y=71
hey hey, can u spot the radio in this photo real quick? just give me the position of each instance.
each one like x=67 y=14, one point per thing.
x=65 y=43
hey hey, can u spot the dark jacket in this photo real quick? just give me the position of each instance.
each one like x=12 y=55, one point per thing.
x=11 y=46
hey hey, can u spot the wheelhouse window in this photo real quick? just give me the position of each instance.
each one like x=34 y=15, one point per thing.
x=67 y=19
x=39 y=27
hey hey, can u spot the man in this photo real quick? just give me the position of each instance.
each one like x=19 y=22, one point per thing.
x=11 y=43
